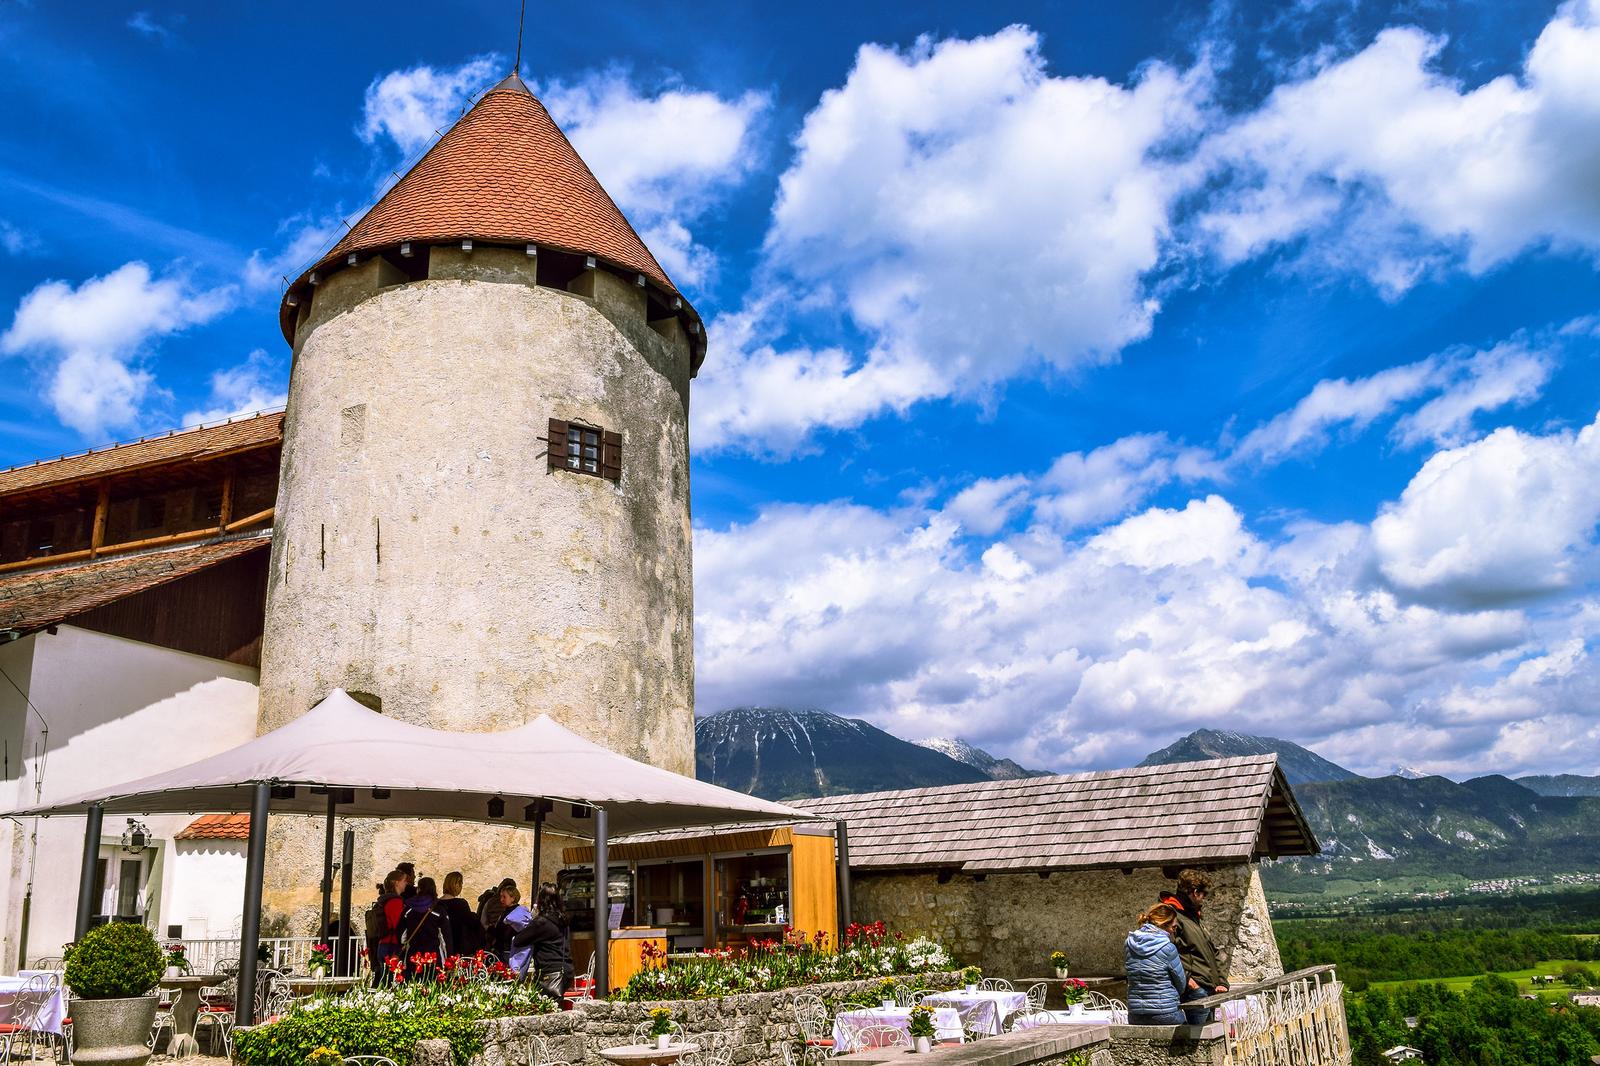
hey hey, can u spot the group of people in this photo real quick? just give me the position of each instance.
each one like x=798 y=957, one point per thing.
x=1170 y=959
x=412 y=917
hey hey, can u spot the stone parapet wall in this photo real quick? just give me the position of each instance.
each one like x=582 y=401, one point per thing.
x=1169 y=1045
x=1010 y=923
x=755 y=1024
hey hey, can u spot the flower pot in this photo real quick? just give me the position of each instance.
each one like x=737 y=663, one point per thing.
x=971 y=989
x=170 y=972
x=112 y=1032
x=662 y=1041
x=1061 y=973
x=923 y=1044
x=887 y=1004
x=1074 y=1008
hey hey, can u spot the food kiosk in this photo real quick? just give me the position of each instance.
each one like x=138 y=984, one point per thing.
x=684 y=893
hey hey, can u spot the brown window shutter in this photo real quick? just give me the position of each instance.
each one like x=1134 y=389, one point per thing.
x=611 y=456
x=557 y=451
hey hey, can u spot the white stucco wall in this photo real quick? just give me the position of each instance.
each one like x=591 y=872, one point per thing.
x=205 y=891
x=116 y=709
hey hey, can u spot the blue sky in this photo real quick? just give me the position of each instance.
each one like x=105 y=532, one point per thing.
x=1080 y=375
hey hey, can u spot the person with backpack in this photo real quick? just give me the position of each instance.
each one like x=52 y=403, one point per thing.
x=423 y=928
x=383 y=926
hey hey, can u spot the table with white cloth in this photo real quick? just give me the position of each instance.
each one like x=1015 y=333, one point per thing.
x=982 y=1011
x=946 y=1022
x=55 y=1009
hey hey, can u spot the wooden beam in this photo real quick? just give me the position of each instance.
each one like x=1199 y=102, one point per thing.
x=248 y=520
x=134 y=545
x=225 y=514
x=102 y=508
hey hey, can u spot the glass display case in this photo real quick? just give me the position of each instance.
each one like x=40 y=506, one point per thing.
x=577 y=891
x=752 y=900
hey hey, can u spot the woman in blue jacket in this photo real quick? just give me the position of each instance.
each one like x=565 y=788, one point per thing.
x=1155 y=976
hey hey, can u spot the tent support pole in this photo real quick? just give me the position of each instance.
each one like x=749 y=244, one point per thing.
x=347 y=862
x=602 y=909
x=841 y=833
x=91 y=863
x=244 y=993
x=327 y=869
x=538 y=847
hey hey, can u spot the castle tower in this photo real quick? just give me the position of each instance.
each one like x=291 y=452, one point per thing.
x=483 y=514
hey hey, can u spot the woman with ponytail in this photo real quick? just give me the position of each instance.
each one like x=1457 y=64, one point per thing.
x=1155 y=976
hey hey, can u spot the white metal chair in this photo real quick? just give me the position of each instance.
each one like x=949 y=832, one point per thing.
x=808 y=1055
x=904 y=996
x=641 y=1033
x=1037 y=994
x=1093 y=1000
x=368 y=1060
x=995 y=984
x=216 y=1011
x=811 y=1015
x=583 y=987
x=27 y=1013
x=876 y=1036
x=1029 y=1017
x=539 y=1054
x=715 y=1050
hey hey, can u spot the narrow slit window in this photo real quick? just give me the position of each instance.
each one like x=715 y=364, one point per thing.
x=585 y=449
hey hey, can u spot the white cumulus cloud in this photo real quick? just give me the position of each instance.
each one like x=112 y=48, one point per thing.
x=665 y=158
x=1392 y=168
x=257 y=383
x=1505 y=518
x=973 y=213
x=92 y=339
x=410 y=107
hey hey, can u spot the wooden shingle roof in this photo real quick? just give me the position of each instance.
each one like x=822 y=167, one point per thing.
x=1220 y=811
x=208 y=442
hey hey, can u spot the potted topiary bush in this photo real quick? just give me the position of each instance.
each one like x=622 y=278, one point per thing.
x=111 y=972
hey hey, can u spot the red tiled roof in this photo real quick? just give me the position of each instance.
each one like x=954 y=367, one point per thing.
x=504 y=172
x=218 y=827
x=181 y=445
x=31 y=600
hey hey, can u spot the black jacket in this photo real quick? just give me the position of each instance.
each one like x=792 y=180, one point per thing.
x=1195 y=948
x=466 y=935
x=549 y=940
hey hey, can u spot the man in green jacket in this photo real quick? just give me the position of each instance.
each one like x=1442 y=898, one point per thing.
x=1195 y=949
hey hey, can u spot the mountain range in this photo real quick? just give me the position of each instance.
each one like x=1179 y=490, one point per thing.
x=1403 y=832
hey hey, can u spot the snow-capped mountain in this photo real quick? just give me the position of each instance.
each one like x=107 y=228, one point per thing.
x=972 y=755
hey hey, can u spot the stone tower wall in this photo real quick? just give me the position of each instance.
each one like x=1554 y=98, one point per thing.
x=424 y=554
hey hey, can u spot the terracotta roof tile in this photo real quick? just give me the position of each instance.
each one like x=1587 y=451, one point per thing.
x=31 y=600
x=188 y=444
x=503 y=172
x=217 y=827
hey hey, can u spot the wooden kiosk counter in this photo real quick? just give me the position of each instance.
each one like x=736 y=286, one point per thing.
x=687 y=893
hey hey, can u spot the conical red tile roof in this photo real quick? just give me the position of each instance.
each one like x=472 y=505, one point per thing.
x=504 y=172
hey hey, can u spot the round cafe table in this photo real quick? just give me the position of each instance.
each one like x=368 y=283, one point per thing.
x=185 y=1009
x=647 y=1054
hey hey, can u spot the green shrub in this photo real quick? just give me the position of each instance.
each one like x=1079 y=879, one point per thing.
x=116 y=961
x=292 y=1040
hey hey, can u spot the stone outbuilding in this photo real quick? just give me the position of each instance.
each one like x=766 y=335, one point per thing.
x=1006 y=872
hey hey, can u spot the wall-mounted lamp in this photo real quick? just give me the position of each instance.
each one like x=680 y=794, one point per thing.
x=497 y=807
x=136 y=837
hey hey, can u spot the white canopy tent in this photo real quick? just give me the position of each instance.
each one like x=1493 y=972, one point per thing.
x=341 y=757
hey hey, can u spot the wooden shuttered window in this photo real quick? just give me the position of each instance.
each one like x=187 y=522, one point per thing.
x=611 y=456
x=558 y=444
x=585 y=449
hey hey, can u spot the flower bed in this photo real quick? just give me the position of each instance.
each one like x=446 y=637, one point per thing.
x=867 y=951
x=430 y=1002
